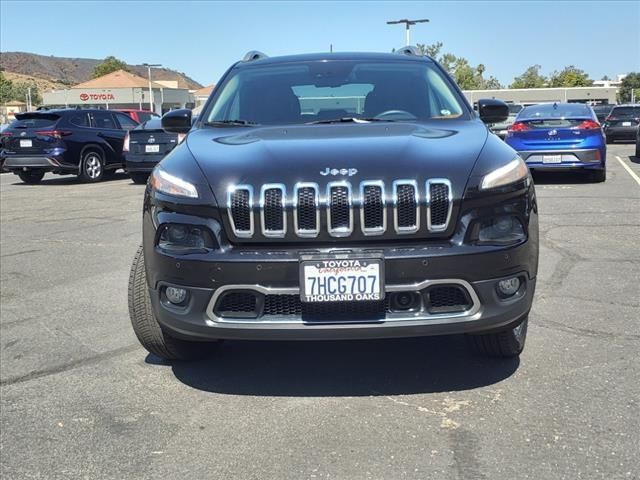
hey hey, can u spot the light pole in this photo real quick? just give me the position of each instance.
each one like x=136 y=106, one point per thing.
x=149 y=65
x=407 y=24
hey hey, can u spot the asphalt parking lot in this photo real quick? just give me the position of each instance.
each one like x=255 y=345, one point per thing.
x=81 y=399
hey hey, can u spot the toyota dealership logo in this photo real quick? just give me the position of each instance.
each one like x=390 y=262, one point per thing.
x=96 y=96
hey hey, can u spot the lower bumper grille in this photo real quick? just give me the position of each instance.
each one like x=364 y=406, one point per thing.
x=252 y=304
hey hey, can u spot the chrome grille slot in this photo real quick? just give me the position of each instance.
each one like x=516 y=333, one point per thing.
x=273 y=215
x=306 y=211
x=439 y=204
x=240 y=201
x=339 y=209
x=373 y=213
x=368 y=204
x=406 y=206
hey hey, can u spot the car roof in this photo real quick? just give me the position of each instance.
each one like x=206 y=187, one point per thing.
x=68 y=110
x=327 y=56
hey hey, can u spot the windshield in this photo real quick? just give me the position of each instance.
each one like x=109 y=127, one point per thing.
x=292 y=93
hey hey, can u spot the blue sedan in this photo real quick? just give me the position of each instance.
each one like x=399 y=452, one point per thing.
x=560 y=136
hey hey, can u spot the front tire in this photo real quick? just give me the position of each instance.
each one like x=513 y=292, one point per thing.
x=145 y=325
x=139 y=177
x=31 y=177
x=507 y=343
x=92 y=167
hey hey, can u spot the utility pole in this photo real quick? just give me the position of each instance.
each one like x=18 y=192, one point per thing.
x=149 y=65
x=407 y=23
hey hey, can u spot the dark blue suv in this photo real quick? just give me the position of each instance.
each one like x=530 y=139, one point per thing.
x=87 y=143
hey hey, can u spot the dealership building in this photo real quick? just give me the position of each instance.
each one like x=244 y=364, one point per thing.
x=121 y=89
x=530 y=96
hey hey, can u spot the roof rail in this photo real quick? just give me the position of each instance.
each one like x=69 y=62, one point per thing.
x=253 y=55
x=408 y=50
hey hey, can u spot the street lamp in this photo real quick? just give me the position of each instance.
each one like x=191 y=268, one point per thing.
x=407 y=24
x=149 y=65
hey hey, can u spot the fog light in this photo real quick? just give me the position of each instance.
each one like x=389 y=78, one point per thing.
x=508 y=287
x=183 y=239
x=176 y=295
x=503 y=230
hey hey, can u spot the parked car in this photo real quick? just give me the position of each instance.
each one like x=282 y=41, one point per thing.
x=501 y=128
x=560 y=136
x=638 y=144
x=139 y=116
x=622 y=123
x=87 y=143
x=602 y=111
x=407 y=218
x=145 y=146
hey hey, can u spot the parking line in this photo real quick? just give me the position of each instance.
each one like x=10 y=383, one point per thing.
x=628 y=169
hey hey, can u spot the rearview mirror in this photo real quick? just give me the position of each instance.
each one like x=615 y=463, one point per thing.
x=492 y=111
x=177 y=121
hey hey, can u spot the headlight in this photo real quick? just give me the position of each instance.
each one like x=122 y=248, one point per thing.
x=169 y=184
x=512 y=172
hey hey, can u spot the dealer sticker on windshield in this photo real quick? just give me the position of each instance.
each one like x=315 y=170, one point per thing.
x=341 y=280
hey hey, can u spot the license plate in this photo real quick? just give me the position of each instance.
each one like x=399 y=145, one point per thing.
x=26 y=144
x=552 y=159
x=341 y=279
x=626 y=124
x=152 y=148
x=503 y=132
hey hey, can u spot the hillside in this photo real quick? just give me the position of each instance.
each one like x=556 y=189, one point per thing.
x=71 y=71
x=42 y=83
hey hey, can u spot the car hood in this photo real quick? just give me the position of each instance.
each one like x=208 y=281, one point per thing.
x=323 y=153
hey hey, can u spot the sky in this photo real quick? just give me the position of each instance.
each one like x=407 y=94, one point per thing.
x=202 y=39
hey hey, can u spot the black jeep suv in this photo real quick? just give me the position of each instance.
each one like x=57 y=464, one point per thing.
x=87 y=143
x=336 y=196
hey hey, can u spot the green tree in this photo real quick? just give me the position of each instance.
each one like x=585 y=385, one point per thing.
x=629 y=83
x=20 y=90
x=466 y=75
x=530 y=78
x=108 y=65
x=6 y=89
x=570 y=76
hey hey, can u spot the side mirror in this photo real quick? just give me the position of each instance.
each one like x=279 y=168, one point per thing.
x=492 y=111
x=177 y=121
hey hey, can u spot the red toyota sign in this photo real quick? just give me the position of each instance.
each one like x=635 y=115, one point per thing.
x=96 y=96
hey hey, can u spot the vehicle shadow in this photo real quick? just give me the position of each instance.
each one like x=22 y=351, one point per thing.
x=62 y=180
x=560 y=178
x=634 y=159
x=342 y=368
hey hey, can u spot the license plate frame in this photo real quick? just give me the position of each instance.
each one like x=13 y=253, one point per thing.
x=26 y=143
x=552 y=158
x=346 y=266
x=152 y=149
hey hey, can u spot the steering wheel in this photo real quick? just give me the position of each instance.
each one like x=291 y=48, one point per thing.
x=395 y=113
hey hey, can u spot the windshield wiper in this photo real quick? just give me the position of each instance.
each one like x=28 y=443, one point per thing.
x=237 y=123
x=349 y=120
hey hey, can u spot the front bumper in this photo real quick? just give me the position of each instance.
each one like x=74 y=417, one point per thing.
x=591 y=159
x=410 y=269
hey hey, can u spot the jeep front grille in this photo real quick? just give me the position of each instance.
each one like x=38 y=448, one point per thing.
x=345 y=207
